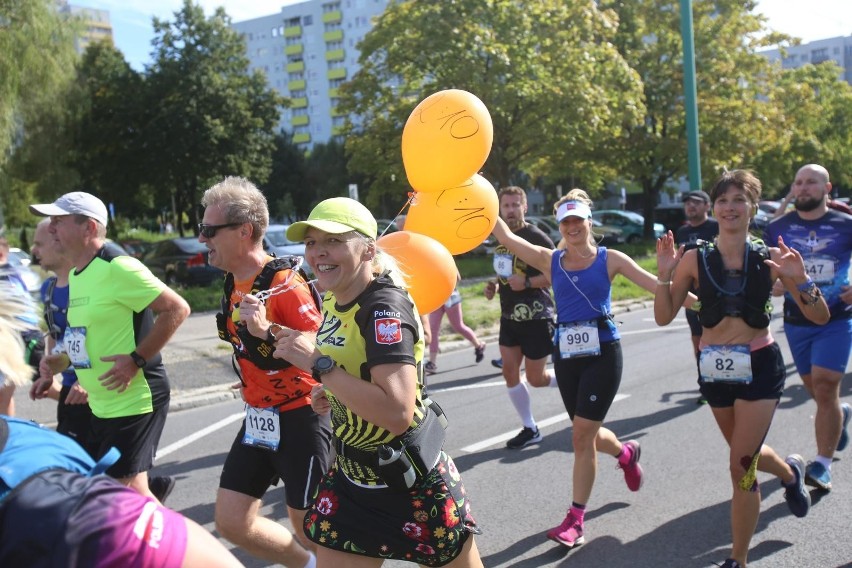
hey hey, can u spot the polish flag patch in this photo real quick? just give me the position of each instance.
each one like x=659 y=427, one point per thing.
x=388 y=331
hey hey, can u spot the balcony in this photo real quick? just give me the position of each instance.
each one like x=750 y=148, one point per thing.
x=333 y=93
x=339 y=73
x=301 y=120
x=297 y=85
x=336 y=35
x=299 y=102
x=295 y=67
x=293 y=31
x=296 y=49
x=301 y=138
x=335 y=55
x=332 y=17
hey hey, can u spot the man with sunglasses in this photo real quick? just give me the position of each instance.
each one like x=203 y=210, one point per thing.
x=281 y=437
x=112 y=339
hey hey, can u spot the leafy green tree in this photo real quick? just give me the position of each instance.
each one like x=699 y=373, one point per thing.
x=211 y=117
x=816 y=127
x=735 y=113
x=285 y=190
x=546 y=70
x=31 y=74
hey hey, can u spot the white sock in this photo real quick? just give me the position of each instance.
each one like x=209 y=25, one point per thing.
x=824 y=461
x=551 y=374
x=520 y=397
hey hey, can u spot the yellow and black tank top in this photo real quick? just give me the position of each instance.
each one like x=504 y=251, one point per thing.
x=380 y=326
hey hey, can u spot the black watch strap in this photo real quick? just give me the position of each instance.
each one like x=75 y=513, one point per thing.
x=138 y=359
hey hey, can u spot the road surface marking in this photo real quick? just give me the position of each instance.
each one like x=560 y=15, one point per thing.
x=198 y=435
x=509 y=435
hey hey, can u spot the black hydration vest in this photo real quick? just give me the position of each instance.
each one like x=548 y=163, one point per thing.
x=247 y=346
x=742 y=293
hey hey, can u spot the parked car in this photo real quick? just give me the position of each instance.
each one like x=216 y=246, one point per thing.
x=275 y=241
x=136 y=247
x=181 y=260
x=631 y=224
x=671 y=215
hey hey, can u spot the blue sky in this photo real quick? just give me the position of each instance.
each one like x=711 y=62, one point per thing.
x=131 y=19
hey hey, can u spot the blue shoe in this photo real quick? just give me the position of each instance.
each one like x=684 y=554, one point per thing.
x=816 y=475
x=797 y=497
x=497 y=362
x=844 y=433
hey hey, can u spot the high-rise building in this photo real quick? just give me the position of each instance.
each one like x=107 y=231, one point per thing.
x=837 y=49
x=307 y=51
x=96 y=24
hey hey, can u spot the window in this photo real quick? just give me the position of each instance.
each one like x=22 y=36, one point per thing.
x=307 y=20
x=274 y=32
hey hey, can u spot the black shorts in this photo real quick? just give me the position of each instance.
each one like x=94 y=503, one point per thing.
x=534 y=337
x=695 y=328
x=75 y=421
x=767 y=382
x=136 y=437
x=588 y=385
x=300 y=462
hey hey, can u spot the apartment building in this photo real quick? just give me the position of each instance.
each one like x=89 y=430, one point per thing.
x=837 y=49
x=96 y=24
x=308 y=50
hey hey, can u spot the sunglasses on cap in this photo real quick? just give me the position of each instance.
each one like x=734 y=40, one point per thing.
x=209 y=231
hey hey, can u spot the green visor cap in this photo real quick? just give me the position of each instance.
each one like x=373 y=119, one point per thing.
x=336 y=215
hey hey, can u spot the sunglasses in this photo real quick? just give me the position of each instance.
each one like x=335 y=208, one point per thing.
x=209 y=231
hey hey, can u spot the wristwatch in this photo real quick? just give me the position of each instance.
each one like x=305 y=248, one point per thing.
x=273 y=329
x=322 y=366
x=138 y=359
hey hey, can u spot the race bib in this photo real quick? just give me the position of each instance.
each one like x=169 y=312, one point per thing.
x=725 y=364
x=262 y=428
x=820 y=269
x=503 y=265
x=578 y=339
x=75 y=346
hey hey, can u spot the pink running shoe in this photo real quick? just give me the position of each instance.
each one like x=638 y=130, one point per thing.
x=569 y=533
x=633 y=475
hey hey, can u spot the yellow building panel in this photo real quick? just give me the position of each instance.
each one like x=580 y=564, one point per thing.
x=335 y=35
x=297 y=85
x=332 y=17
x=295 y=67
x=339 y=73
x=301 y=138
x=293 y=31
x=301 y=120
x=299 y=102
x=295 y=49
x=335 y=55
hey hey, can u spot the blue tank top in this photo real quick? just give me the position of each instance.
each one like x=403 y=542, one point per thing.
x=584 y=294
x=55 y=300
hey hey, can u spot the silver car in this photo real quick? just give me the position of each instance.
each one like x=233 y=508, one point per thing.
x=275 y=241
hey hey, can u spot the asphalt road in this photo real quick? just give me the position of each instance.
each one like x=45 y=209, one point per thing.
x=679 y=518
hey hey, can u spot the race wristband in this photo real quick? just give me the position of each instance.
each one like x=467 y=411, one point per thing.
x=806 y=285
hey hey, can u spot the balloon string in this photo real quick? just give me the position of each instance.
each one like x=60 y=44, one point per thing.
x=408 y=202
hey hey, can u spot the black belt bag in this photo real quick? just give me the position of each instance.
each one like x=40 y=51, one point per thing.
x=405 y=460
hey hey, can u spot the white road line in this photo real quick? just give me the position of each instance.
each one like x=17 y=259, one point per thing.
x=653 y=329
x=509 y=435
x=469 y=387
x=198 y=435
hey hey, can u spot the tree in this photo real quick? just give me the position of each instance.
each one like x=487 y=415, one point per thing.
x=736 y=116
x=30 y=77
x=545 y=69
x=816 y=127
x=288 y=195
x=211 y=117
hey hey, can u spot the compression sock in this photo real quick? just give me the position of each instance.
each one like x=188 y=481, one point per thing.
x=520 y=397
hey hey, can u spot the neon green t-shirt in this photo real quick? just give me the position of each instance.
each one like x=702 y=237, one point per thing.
x=107 y=302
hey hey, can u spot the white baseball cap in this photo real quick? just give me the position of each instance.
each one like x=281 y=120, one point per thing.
x=74 y=203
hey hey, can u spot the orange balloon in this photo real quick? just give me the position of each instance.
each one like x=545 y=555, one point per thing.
x=429 y=267
x=459 y=218
x=446 y=140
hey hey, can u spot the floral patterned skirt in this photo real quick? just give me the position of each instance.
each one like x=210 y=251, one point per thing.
x=427 y=525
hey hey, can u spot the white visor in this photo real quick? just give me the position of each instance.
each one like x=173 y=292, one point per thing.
x=573 y=209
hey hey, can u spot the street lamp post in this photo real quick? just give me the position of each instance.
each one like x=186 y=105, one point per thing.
x=690 y=95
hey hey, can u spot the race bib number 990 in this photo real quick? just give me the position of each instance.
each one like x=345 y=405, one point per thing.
x=578 y=339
